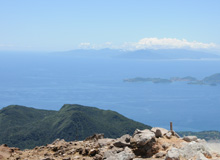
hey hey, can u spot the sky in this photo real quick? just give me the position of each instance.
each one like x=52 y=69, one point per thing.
x=60 y=25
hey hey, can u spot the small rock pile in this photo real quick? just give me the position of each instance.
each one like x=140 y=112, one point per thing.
x=154 y=144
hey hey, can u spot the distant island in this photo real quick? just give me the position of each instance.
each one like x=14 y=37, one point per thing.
x=212 y=80
x=154 y=80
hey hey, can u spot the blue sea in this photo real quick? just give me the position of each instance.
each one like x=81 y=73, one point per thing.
x=47 y=81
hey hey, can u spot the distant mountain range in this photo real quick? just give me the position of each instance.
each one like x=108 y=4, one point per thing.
x=26 y=127
x=141 y=54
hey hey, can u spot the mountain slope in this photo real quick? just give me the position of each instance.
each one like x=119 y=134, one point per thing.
x=25 y=127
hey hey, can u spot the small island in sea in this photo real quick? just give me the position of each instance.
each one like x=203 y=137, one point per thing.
x=212 y=80
x=154 y=80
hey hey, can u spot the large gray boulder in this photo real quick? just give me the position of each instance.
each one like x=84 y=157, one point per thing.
x=142 y=137
x=143 y=143
x=122 y=141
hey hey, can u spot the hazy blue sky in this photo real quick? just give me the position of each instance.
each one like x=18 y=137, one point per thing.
x=51 y=25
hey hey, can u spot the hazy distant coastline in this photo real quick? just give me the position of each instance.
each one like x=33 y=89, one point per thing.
x=142 y=54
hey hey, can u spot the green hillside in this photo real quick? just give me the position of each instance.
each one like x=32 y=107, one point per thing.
x=25 y=127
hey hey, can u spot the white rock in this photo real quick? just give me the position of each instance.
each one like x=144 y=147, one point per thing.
x=168 y=135
x=194 y=149
x=201 y=157
x=173 y=154
x=142 y=137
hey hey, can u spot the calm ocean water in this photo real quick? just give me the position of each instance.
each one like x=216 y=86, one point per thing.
x=48 y=82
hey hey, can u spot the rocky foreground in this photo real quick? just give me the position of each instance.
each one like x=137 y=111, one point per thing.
x=154 y=144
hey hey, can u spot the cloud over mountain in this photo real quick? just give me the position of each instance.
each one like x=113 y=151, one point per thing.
x=152 y=43
x=167 y=43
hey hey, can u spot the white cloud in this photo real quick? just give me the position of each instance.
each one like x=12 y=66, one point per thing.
x=108 y=43
x=167 y=43
x=85 y=45
x=152 y=43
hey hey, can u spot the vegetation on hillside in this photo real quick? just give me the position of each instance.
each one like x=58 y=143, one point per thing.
x=25 y=127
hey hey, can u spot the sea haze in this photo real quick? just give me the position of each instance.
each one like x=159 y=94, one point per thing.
x=50 y=80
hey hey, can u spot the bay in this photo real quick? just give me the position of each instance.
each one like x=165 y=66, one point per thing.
x=48 y=81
